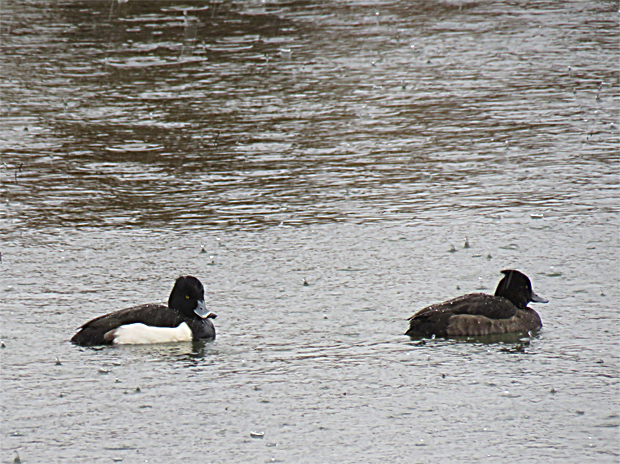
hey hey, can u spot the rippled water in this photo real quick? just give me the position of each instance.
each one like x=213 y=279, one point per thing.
x=351 y=144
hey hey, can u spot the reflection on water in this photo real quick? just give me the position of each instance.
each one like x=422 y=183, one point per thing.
x=355 y=146
x=253 y=114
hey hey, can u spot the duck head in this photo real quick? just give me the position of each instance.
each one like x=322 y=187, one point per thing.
x=516 y=287
x=188 y=297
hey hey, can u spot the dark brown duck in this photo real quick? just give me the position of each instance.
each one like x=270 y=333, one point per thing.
x=478 y=314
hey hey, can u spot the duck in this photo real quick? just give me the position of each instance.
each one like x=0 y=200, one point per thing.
x=185 y=318
x=479 y=314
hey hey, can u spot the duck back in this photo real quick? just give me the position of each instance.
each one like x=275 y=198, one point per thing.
x=475 y=311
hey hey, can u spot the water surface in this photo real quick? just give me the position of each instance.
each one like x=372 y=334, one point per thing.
x=356 y=145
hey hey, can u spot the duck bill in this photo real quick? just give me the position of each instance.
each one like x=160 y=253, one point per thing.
x=201 y=309
x=538 y=299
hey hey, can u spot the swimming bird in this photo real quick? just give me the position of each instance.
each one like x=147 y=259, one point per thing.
x=185 y=318
x=479 y=314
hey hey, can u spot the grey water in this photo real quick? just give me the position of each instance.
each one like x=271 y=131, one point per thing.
x=353 y=146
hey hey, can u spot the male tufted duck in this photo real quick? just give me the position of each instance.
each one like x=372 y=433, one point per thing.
x=184 y=319
x=478 y=314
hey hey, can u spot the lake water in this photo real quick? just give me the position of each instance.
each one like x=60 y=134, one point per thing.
x=354 y=145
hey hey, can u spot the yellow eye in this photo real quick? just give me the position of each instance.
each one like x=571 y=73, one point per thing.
x=187 y=297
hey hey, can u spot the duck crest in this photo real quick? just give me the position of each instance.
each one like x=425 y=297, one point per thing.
x=515 y=287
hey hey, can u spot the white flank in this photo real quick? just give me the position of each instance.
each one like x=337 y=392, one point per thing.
x=141 y=334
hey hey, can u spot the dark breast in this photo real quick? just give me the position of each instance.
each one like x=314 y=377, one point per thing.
x=202 y=329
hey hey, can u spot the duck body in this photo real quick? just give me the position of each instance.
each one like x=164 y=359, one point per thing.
x=185 y=318
x=479 y=314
